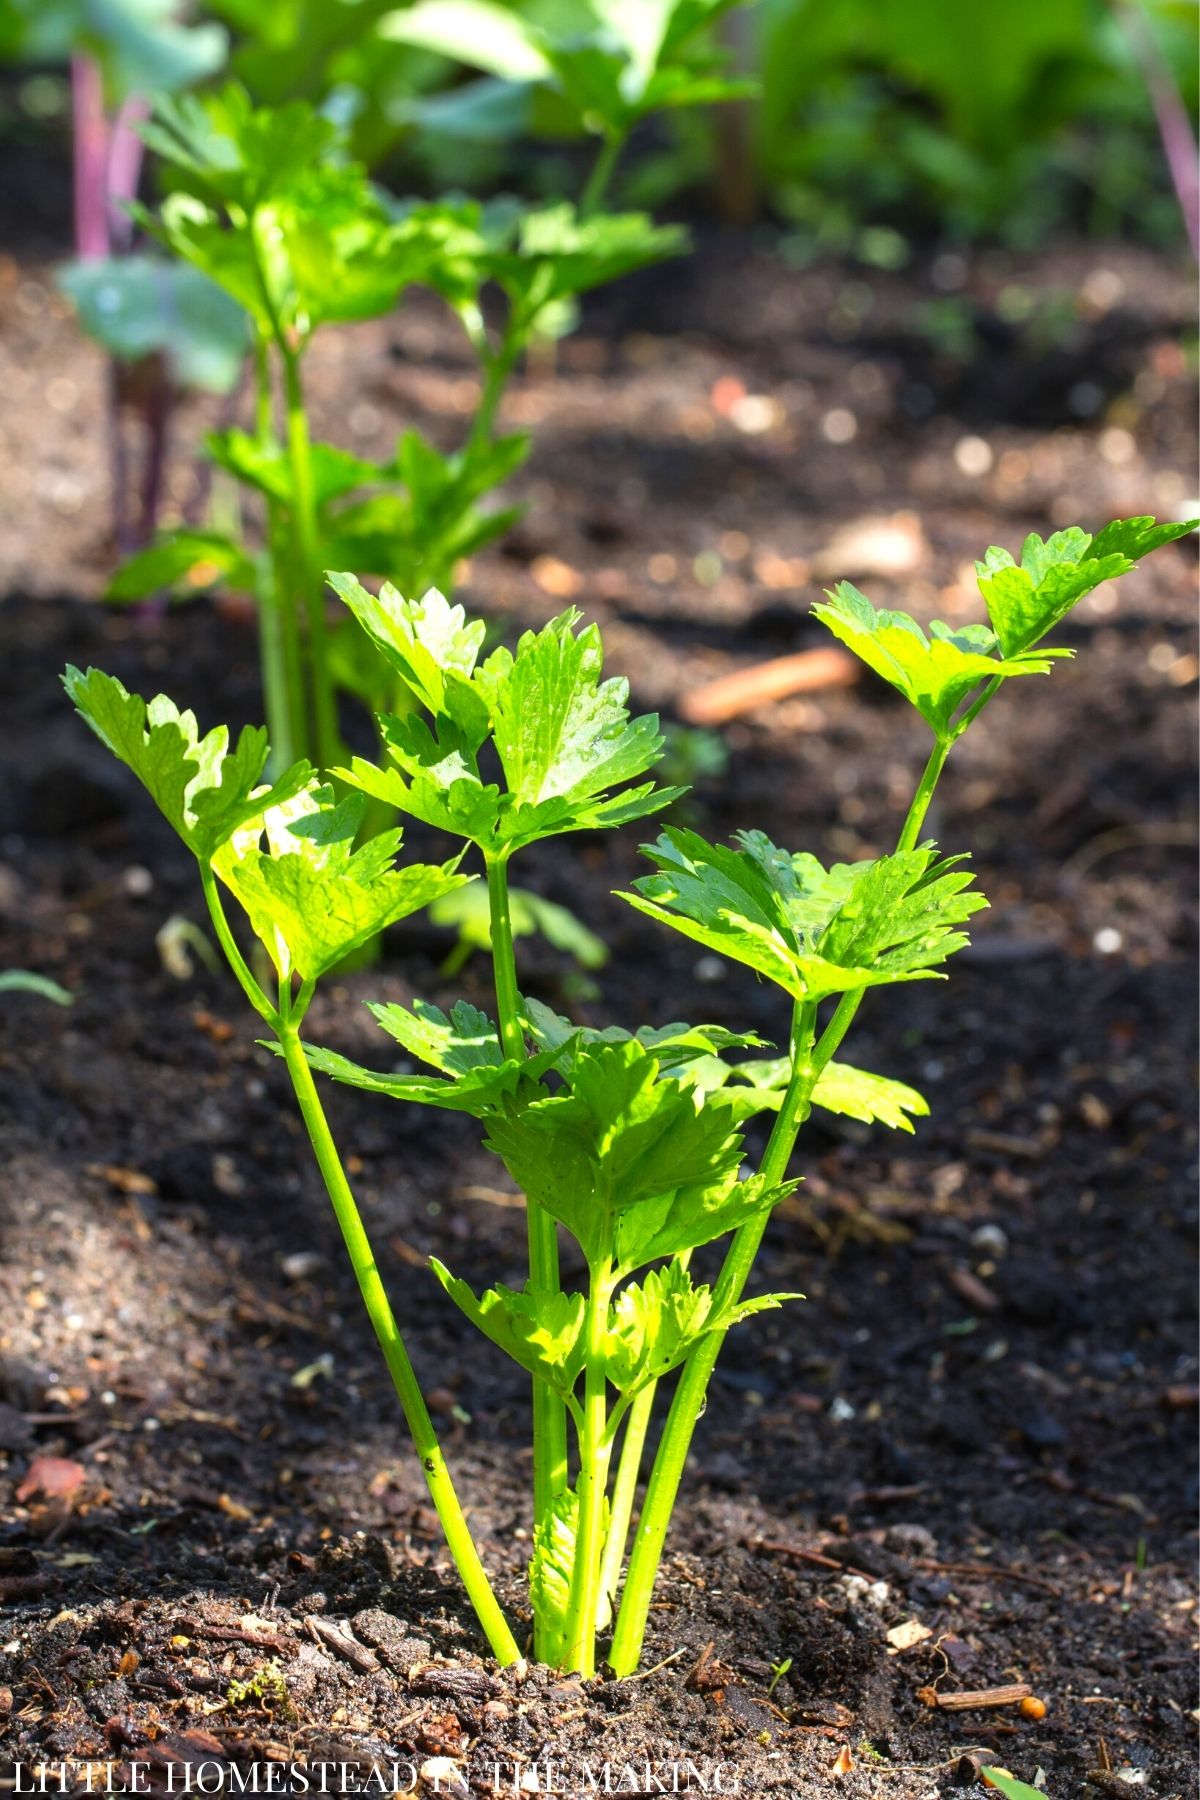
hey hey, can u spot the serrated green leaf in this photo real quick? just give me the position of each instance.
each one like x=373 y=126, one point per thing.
x=455 y=1043
x=447 y=794
x=233 y=152
x=692 y=1215
x=1028 y=599
x=264 y=464
x=311 y=897
x=618 y=1139
x=429 y=643
x=265 y=209
x=205 y=789
x=652 y=1325
x=478 y=1091
x=935 y=673
x=674 y=1046
x=872 y=1099
x=813 y=931
x=560 y=731
x=562 y=734
x=541 y=1332
x=558 y=252
x=759 y=1086
x=550 y=1570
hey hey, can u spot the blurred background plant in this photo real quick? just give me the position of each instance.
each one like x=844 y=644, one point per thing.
x=164 y=326
x=854 y=128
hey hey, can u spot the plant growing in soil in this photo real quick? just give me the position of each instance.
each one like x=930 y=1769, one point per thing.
x=631 y=1142
x=265 y=204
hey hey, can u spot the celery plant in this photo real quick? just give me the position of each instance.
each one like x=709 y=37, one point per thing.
x=265 y=204
x=630 y=1142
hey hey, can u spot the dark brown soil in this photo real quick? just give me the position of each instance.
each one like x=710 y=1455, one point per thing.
x=982 y=1418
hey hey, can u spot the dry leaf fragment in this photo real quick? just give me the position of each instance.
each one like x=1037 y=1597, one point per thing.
x=126 y=1181
x=903 y=1637
x=968 y=1700
x=844 y=1763
x=55 y=1477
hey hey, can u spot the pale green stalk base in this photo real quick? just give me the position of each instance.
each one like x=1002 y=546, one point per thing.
x=583 y=1603
x=458 y=1536
x=629 y=1469
x=284 y=1022
x=691 y=1391
x=550 y=1476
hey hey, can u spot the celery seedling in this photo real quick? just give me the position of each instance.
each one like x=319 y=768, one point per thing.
x=632 y=1143
x=266 y=207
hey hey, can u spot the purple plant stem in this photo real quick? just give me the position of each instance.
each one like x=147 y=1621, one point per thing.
x=158 y=421
x=91 y=159
x=125 y=153
x=124 y=538
x=1174 y=125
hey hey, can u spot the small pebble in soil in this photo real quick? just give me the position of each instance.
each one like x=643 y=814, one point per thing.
x=990 y=1240
x=300 y=1264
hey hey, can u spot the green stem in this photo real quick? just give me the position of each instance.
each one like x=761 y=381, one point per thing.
x=596 y=185
x=689 y=1399
x=594 y=1450
x=624 y=1491
x=549 y=1413
x=234 y=957
x=808 y=1060
x=279 y=632
x=304 y=524
x=915 y=817
x=379 y=1311
x=498 y=366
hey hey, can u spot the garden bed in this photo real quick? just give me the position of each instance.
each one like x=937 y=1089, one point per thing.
x=982 y=1417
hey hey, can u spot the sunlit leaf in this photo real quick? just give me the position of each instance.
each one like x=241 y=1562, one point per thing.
x=203 y=786
x=1026 y=600
x=935 y=673
x=620 y=1142
x=813 y=931
x=541 y=1332
x=311 y=896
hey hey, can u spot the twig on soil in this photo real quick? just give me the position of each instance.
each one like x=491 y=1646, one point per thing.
x=985 y=1570
x=645 y=1674
x=335 y=1637
x=746 y=690
x=798 y=1554
x=971 y=1698
x=238 y=1634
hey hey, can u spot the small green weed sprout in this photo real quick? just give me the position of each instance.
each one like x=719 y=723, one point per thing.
x=266 y=1687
